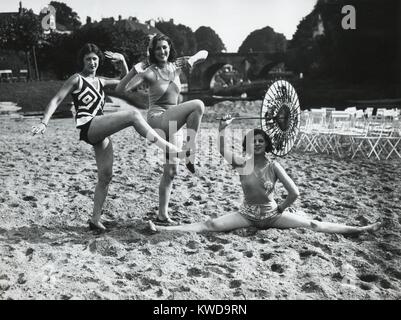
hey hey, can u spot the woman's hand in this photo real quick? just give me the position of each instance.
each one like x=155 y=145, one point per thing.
x=225 y=121
x=183 y=63
x=114 y=56
x=40 y=128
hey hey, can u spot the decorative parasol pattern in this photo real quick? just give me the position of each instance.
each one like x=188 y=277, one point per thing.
x=280 y=116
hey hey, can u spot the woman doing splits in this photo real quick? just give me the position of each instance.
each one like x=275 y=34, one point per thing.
x=258 y=176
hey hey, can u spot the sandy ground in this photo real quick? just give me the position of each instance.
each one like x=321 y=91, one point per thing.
x=48 y=252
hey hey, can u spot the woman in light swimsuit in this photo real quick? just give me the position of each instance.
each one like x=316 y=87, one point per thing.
x=258 y=176
x=88 y=96
x=165 y=112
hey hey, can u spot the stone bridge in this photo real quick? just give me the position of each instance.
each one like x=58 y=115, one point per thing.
x=252 y=66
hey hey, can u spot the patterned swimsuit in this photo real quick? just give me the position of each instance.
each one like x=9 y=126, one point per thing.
x=262 y=216
x=88 y=102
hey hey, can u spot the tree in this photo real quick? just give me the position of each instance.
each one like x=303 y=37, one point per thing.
x=182 y=37
x=66 y=16
x=368 y=53
x=22 y=32
x=60 y=50
x=264 y=40
x=208 y=39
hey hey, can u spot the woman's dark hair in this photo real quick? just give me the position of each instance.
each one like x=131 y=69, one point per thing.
x=159 y=37
x=86 y=49
x=252 y=133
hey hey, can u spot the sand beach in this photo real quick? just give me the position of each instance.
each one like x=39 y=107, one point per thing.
x=48 y=252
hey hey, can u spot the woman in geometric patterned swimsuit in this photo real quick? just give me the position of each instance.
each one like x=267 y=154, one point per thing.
x=95 y=127
x=258 y=176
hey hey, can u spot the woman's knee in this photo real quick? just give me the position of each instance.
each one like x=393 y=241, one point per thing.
x=211 y=225
x=134 y=116
x=199 y=106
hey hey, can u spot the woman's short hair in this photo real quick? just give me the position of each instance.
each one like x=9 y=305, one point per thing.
x=86 y=49
x=160 y=37
x=252 y=133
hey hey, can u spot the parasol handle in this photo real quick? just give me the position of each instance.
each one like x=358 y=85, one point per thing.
x=248 y=118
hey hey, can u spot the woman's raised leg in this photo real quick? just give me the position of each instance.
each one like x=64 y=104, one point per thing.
x=106 y=125
x=189 y=113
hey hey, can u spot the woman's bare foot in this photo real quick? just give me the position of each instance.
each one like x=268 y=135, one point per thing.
x=152 y=226
x=167 y=221
x=373 y=227
x=96 y=225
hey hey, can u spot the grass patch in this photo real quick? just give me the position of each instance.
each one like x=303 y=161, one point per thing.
x=34 y=96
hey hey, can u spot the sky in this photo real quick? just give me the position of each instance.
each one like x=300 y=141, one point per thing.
x=232 y=20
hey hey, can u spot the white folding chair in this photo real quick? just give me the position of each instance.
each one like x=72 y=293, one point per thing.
x=369 y=142
x=317 y=129
x=391 y=140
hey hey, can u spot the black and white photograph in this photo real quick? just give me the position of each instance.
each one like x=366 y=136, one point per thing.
x=200 y=150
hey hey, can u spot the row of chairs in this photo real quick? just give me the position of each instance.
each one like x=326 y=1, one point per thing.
x=351 y=132
x=7 y=76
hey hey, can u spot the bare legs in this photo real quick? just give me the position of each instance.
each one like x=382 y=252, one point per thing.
x=104 y=162
x=104 y=126
x=166 y=183
x=227 y=222
x=189 y=113
x=293 y=220
x=287 y=220
x=100 y=129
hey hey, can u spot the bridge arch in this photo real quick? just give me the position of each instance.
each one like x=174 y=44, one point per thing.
x=254 y=65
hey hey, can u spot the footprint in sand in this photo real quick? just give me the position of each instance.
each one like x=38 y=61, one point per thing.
x=385 y=284
x=235 y=284
x=195 y=272
x=266 y=255
x=312 y=287
x=277 y=268
x=248 y=254
x=368 y=277
x=215 y=247
x=29 y=198
x=106 y=247
x=191 y=244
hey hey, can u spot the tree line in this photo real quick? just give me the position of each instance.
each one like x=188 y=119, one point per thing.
x=370 y=52
x=57 y=51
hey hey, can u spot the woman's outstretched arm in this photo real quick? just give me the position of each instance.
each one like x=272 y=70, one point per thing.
x=137 y=75
x=189 y=61
x=67 y=88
